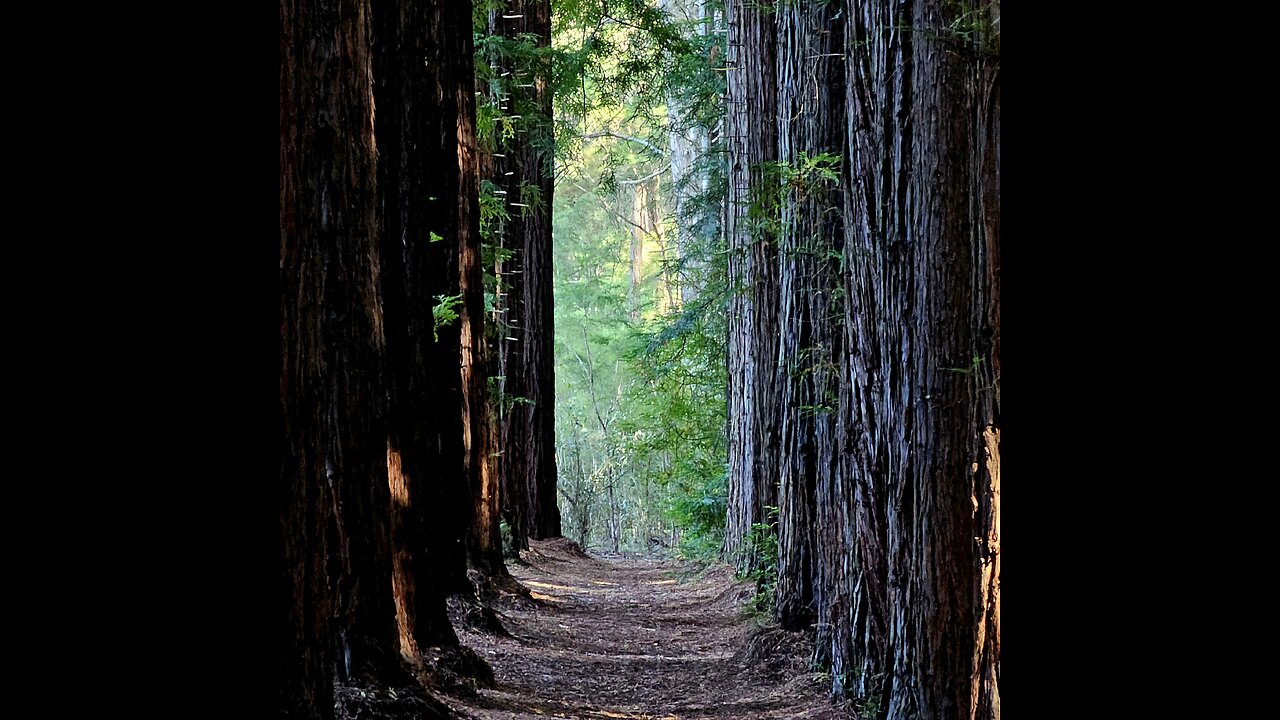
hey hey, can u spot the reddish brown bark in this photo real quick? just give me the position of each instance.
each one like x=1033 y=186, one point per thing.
x=484 y=543
x=526 y=345
x=340 y=615
x=417 y=122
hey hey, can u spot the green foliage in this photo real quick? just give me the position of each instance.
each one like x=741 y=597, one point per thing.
x=805 y=175
x=531 y=198
x=808 y=171
x=511 y=70
x=490 y=132
x=974 y=24
x=698 y=506
x=509 y=549
x=493 y=211
x=762 y=547
x=970 y=28
x=640 y=378
x=445 y=312
x=640 y=392
x=869 y=707
x=974 y=364
x=676 y=418
x=781 y=183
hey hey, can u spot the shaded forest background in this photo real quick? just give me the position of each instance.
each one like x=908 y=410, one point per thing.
x=767 y=330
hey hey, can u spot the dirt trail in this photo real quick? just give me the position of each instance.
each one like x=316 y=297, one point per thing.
x=638 y=639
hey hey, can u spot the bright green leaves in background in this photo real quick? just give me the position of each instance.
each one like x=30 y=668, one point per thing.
x=639 y=292
x=640 y=377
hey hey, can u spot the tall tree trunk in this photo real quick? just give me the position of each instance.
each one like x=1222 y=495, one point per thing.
x=985 y=185
x=334 y=460
x=923 y=325
x=501 y=167
x=888 y=370
x=751 y=230
x=853 y=622
x=306 y=647
x=528 y=364
x=484 y=544
x=811 y=100
x=417 y=133
x=936 y=610
x=635 y=256
x=488 y=354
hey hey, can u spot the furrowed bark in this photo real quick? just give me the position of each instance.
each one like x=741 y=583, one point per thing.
x=751 y=140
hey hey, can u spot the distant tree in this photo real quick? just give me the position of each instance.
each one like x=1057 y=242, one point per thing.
x=690 y=136
x=640 y=273
x=522 y=162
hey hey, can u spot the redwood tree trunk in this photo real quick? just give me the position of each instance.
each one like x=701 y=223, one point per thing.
x=306 y=647
x=333 y=470
x=751 y=229
x=887 y=383
x=923 y=327
x=484 y=540
x=811 y=96
x=528 y=363
x=417 y=132
x=940 y=450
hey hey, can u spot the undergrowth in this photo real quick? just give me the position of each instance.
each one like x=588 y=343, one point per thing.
x=762 y=547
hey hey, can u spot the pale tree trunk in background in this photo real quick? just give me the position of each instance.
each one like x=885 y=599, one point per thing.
x=635 y=254
x=688 y=142
x=615 y=528
x=646 y=230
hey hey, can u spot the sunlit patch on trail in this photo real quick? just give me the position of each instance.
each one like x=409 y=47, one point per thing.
x=602 y=582
x=540 y=596
x=631 y=716
x=661 y=582
x=549 y=586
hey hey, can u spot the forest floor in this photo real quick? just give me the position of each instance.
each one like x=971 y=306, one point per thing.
x=641 y=639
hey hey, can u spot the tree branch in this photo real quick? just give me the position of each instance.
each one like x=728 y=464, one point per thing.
x=640 y=141
x=650 y=176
